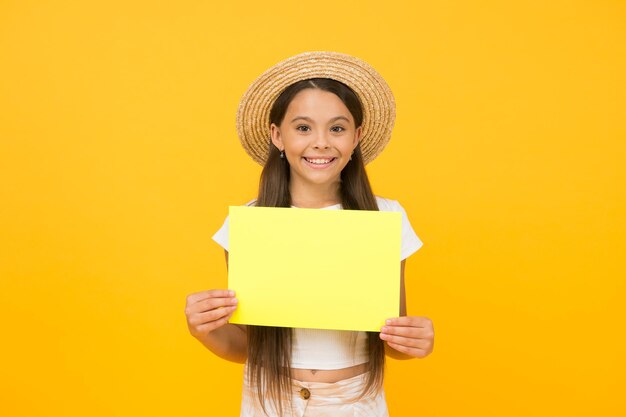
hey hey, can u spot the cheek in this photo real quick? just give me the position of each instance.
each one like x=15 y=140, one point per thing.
x=292 y=148
x=347 y=148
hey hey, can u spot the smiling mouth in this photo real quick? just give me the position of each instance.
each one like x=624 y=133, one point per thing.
x=319 y=161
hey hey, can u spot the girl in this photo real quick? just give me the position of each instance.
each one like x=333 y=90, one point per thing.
x=313 y=121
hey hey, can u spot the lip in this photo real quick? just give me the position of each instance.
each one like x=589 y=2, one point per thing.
x=319 y=166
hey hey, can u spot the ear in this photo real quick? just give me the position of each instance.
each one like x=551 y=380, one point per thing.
x=276 y=138
x=357 y=136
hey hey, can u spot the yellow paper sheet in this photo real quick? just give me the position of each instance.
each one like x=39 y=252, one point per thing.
x=312 y=268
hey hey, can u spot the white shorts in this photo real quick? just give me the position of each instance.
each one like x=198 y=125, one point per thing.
x=320 y=399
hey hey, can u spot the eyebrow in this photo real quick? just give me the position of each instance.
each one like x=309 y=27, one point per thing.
x=308 y=119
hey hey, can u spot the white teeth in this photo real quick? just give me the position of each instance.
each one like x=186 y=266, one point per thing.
x=319 y=161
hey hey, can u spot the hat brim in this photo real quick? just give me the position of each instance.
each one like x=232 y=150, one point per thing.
x=253 y=124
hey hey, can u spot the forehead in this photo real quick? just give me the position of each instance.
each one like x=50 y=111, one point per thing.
x=313 y=101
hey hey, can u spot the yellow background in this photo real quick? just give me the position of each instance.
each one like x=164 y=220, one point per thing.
x=119 y=158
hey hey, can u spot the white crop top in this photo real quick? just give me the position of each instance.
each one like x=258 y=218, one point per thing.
x=336 y=349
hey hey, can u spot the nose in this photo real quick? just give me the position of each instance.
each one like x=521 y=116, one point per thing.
x=321 y=140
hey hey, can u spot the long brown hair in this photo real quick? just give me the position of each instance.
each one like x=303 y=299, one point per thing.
x=269 y=348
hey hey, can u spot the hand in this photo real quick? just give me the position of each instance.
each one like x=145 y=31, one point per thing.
x=411 y=335
x=209 y=310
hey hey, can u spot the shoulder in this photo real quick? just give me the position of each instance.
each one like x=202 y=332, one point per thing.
x=386 y=204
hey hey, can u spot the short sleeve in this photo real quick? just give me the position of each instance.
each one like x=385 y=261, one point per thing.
x=410 y=242
x=221 y=236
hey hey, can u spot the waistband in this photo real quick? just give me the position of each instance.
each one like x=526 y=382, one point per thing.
x=349 y=389
x=337 y=399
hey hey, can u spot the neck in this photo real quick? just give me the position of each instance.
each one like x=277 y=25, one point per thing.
x=306 y=195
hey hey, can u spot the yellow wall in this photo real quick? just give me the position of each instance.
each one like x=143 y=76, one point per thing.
x=119 y=157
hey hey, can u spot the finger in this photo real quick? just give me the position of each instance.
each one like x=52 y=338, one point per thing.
x=412 y=332
x=211 y=316
x=210 y=304
x=409 y=321
x=203 y=295
x=406 y=341
x=209 y=327
x=415 y=352
x=208 y=295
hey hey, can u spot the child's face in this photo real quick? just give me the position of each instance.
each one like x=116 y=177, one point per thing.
x=318 y=136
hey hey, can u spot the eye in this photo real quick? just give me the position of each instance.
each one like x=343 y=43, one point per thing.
x=303 y=128
x=337 y=129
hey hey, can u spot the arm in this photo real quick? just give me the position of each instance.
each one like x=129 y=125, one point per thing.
x=207 y=318
x=407 y=337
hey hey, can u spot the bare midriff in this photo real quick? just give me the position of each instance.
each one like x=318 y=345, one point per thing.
x=328 y=375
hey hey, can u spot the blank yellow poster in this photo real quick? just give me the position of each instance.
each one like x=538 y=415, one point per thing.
x=312 y=268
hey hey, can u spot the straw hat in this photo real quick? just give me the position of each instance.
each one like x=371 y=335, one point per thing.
x=379 y=109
